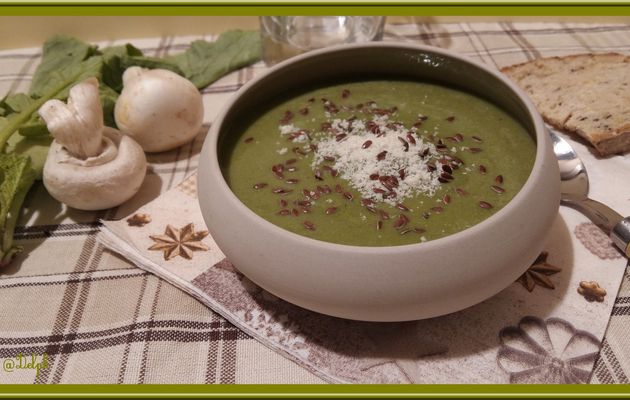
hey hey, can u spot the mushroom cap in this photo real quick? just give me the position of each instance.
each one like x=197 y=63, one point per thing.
x=158 y=108
x=96 y=183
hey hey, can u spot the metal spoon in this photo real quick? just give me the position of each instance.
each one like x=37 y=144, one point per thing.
x=574 y=193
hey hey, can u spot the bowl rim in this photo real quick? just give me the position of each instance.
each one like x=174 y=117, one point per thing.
x=210 y=148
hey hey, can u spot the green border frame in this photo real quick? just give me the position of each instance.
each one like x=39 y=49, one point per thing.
x=253 y=8
x=324 y=7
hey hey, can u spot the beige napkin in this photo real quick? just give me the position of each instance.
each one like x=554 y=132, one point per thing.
x=549 y=334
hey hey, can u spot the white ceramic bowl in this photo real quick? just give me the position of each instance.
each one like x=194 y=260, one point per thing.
x=383 y=283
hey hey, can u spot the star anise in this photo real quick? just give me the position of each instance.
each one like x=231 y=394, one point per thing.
x=538 y=272
x=179 y=242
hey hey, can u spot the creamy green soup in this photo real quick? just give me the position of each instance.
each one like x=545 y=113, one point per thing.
x=377 y=163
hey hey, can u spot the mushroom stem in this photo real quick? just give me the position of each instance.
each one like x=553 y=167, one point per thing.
x=77 y=125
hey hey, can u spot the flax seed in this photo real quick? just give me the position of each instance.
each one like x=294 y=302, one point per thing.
x=402 y=207
x=497 y=189
x=390 y=195
x=288 y=116
x=446 y=176
x=382 y=214
x=404 y=143
x=309 y=225
x=485 y=204
x=281 y=191
x=401 y=221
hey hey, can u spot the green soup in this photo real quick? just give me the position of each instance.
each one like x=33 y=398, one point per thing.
x=378 y=162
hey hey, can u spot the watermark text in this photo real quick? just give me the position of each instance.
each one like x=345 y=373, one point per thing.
x=21 y=361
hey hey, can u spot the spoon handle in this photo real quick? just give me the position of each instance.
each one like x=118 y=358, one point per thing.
x=606 y=218
x=620 y=235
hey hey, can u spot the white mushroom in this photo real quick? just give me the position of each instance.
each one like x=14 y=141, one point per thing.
x=158 y=108
x=89 y=166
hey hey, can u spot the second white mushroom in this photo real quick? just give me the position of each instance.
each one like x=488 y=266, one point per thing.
x=158 y=108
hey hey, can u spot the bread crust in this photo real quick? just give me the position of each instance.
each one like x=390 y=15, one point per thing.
x=586 y=94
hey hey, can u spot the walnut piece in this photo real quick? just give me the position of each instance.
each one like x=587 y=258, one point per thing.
x=139 y=219
x=591 y=291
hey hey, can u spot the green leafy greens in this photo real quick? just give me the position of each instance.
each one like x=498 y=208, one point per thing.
x=205 y=62
x=17 y=178
x=66 y=61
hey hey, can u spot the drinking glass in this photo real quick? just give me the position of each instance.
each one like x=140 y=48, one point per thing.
x=286 y=36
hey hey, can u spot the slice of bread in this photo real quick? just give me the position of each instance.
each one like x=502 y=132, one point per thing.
x=588 y=94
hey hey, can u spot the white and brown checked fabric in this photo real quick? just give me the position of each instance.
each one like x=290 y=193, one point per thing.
x=101 y=320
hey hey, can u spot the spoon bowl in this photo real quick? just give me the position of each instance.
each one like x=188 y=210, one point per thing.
x=574 y=193
x=573 y=175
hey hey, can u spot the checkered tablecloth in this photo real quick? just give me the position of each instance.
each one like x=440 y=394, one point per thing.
x=99 y=319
